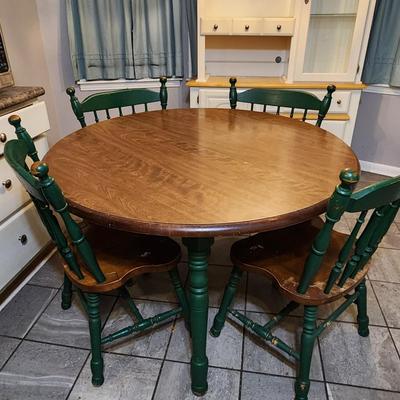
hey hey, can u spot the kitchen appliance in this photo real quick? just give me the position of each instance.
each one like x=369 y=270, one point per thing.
x=6 y=78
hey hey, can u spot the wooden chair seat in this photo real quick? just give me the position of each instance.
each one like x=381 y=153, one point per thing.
x=281 y=256
x=122 y=256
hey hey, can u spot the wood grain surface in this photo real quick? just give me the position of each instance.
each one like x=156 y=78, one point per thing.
x=199 y=172
x=281 y=256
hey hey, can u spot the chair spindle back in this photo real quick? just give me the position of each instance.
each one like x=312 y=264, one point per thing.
x=283 y=98
x=116 y=100
x=47 y=196
x=383 y=198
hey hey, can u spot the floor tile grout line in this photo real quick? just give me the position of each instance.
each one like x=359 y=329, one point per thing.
x=164 y=358
x=362 y=387
x=12 y=353
x=243 y=337
x=78 y=375
x=40 y=315
x=382 y=281
x=90 y=351
x=384 y=317
x=322 y=367
x=43 y=286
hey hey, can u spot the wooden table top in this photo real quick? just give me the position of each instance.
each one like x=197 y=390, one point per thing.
x=199 y=172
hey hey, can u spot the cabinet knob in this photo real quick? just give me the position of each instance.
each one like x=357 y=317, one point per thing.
x=247 y=27
x=339 y=102
x=7 y=183
x=3 y=137
x=215 y=27
x=23 y=239
x=279 y=27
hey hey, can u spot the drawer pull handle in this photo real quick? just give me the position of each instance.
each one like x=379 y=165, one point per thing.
x=279 y=27
x=7 y=184
x=23 y=239
x=247 y=27
x=339 y=102
x=3 y=137
x=215 y=27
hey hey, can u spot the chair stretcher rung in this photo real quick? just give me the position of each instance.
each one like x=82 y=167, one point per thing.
x=266 y=335
x=142 y=325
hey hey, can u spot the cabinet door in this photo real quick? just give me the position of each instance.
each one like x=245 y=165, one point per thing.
x=330 y=39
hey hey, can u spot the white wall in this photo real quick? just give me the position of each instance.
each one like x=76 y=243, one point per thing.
x=377 y=131
x=22 y=37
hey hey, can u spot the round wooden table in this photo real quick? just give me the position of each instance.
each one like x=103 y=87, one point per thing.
x=199 y=173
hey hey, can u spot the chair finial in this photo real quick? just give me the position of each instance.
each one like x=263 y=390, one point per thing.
x=39 y=169
x=14 y=120
x=349 y=177
x=70 y=91
x=331 y=88
x=232 y=81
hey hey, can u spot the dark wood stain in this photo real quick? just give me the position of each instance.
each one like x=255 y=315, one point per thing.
x=199 y=172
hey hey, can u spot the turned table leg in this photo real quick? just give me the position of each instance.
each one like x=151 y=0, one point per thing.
x=198 y=252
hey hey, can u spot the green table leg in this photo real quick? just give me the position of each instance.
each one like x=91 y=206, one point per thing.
x=198 y=252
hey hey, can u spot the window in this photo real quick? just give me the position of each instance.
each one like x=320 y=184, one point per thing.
x=131 y=39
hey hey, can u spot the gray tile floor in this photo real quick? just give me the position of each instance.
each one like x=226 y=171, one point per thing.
x=44 y=351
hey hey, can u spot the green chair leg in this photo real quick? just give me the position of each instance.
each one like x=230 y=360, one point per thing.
x=308 y=337
x=96 y=364
x=362 y=317
x=229 y=293
x=181 y=295
x=66 y=296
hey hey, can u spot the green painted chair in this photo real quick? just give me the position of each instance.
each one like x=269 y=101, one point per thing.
x=283 y=98
x=96 y=260
x=116 y=100
x=312 y=265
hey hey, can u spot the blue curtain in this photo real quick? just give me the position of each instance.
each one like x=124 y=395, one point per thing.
x=132 y=39
x=382 y=63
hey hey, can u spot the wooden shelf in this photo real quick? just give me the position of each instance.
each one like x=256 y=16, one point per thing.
x=271 y=83
x=314 y=117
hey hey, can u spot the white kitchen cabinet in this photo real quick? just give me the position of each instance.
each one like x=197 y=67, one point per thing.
x=290 y=44
x=22 y=235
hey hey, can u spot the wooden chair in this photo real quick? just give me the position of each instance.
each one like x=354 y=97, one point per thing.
x=96 y=260
x=283 y=98
x=311 y=264
x=116 y=100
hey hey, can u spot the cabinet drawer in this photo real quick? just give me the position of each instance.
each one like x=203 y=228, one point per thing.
x=34 y=120
x=15 y=196
x=15 y=251
x=248 y=26
x=278 y=26
x=340 y=100
x=220 y=26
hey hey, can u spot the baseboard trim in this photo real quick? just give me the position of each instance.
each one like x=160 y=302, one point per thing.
x=380 y=169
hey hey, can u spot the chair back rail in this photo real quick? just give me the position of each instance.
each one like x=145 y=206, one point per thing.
x=283 y=98
x=383 y=198
x=116 y=100
x=47 y=197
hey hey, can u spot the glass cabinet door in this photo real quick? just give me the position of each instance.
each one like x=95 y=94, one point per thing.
x=330 y=39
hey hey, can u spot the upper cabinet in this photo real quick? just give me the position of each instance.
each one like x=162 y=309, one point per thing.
x=292 y=40
x=330 y=39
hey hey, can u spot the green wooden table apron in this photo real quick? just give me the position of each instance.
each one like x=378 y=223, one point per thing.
x=199 y=174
